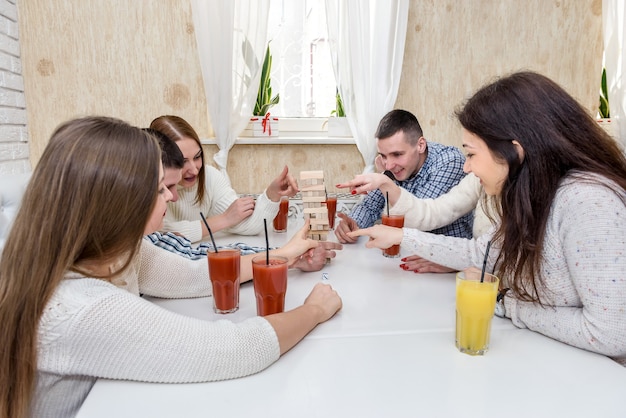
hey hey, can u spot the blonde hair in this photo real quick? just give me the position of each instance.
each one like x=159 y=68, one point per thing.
x=88 y=200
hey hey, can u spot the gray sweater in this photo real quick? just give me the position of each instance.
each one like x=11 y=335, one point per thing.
x=584 y=267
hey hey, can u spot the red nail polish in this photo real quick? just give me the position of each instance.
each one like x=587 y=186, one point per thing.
x=353 y=192
x=403 y=259
x=416 y=271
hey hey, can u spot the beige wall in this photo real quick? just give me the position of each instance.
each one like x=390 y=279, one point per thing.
x=454 y=47
x=137 y=60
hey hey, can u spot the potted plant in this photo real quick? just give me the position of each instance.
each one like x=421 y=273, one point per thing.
x=339 y=112
x=604 y=111
x=338 y=123
x=263 y=123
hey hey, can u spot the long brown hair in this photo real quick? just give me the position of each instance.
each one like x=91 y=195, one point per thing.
x=88 y=200
x=177 y=128
x=559 y=138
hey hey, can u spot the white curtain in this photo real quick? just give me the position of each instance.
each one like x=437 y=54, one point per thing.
x=231 y=36
x=613 y=20
x=366 y=39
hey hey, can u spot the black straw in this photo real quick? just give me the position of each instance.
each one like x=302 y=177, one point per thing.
x=387 y=203
x=267 y=243
x=210 y=233
x=482 y=273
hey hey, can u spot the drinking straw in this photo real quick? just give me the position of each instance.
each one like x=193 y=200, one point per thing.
x=482 y=273
x=267 y=243
x=210 y=233
x=387 y=203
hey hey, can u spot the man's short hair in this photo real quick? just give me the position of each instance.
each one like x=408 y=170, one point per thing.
x=399 y=120
x=171 y=155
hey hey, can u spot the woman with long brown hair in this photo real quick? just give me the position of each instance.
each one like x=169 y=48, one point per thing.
x=205 y=189
x=559 y=183
x=75 y=263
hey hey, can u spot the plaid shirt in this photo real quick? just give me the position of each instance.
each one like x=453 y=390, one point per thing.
x=182 y=246
x=441 y=171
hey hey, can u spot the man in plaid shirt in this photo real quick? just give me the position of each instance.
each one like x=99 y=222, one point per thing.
x=426 y=169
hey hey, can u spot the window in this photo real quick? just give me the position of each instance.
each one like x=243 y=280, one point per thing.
x=302 y=71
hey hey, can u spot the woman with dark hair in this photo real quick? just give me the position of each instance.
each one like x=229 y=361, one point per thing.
x=75 y=263
x=205 y=189
x=559 y=182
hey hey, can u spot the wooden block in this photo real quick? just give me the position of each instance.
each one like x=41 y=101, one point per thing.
x=317 y=226
x=317 y=174
x=317 y=199
x=312 y=187
x=313 y=192
x=319 y=209
x=322 y=236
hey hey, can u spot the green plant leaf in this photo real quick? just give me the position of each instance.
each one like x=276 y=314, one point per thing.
x=338 y=111
x=603 y=108
x=264 y=99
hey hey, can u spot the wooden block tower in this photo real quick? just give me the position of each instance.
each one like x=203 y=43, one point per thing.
x=313 y=193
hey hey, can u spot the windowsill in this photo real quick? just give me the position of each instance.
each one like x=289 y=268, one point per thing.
x=294 y=131
x=287 y=140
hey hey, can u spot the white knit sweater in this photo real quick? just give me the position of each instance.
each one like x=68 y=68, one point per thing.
x=584 y=268
x=429 y=214
x=183 y=216
x=92 y=328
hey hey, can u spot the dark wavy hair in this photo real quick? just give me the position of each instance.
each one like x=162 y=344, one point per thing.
x=559 y=138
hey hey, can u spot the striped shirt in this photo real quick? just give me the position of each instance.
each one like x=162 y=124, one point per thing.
x=182 y=246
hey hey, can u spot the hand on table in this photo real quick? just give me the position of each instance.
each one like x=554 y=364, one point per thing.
x=345 y=226
x=418 y=264
x=326 y=299
x=381 y=236
x=315 y=258
x=283 y=185
x=239 y=210
x=298 y=246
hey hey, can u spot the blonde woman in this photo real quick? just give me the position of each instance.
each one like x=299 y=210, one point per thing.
x=75 y=263
x=205 y=189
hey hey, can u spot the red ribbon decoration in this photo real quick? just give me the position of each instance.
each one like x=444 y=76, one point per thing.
x=267 y=124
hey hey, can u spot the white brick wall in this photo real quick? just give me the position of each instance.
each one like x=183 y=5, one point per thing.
x=13 y=129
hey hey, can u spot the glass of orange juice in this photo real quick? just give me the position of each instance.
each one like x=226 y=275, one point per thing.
x=475 y=305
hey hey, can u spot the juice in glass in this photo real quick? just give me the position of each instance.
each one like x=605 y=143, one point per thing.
x=398 y=222
x=331 y=206
x=280 y=221
x=270 y=284
x=224 y=273
x=475 y=305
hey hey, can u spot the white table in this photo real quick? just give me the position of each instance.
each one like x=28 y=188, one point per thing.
x=389 y=352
